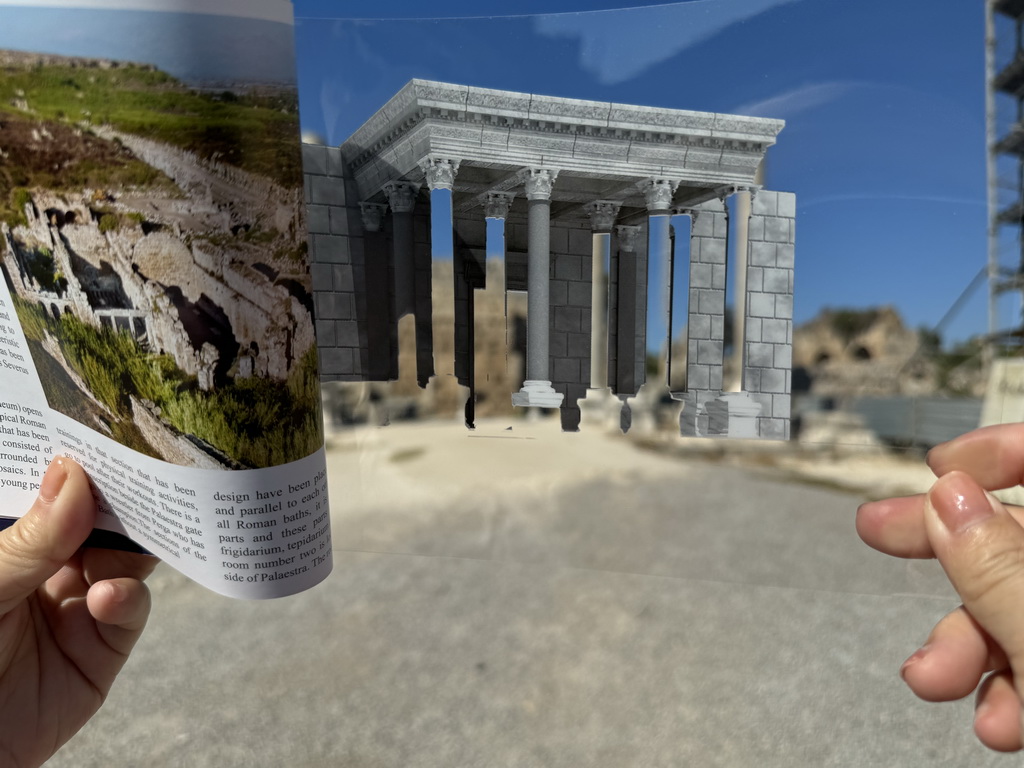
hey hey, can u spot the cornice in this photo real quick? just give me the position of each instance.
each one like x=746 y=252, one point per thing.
x=445 y=103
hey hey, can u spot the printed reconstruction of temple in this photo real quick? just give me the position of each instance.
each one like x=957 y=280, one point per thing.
x=591 y=197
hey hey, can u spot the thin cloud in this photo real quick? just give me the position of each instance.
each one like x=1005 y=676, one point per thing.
x=620 y=45
x=797 y=100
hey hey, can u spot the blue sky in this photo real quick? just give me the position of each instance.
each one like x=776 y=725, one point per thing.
x=884 y=102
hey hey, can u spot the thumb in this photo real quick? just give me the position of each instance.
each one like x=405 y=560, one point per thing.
x=981 y=548
x=55 y=526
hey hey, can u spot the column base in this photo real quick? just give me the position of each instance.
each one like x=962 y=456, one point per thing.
x=600 y=408
x=724 y=414
x=537 y=394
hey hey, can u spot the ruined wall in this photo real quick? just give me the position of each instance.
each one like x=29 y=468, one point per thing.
x=217 y=188
x=144 y=266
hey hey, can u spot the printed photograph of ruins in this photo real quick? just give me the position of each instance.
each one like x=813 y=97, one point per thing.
x=495 y=252
x=152 y=236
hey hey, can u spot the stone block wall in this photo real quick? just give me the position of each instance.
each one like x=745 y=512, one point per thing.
x=762 y=408
x=337 y=256
x=570 y=304
x=706 y=306
x=353 y=277
x=768 y=354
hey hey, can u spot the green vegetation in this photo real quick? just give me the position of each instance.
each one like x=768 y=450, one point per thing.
x=42 y=268
x=257 y=422
x=19 y=197
x=70 y=160
x=849 y=323
x=109 y=223
x=255 y=133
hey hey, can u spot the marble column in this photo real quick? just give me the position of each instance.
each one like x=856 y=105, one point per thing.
x=537 y=389
x=628 y=371
x=744 y=200
x=599 y=407
x=439 y=173
x=382 y=357
x=658 y=195
x=602 y=219
x=402 y=199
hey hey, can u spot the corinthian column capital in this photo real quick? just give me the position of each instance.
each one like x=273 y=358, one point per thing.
x=539 y=182
x=627 y=237
x=497 y=204
x=440 y=171
x=401 y=195
x=658 y=193
x=373 y=215
x=602 y=214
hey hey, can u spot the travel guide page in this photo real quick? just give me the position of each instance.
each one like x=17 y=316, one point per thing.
x=157 y=319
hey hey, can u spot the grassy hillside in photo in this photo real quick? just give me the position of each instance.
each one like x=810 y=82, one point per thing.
x=256 y=133
x=257 y=422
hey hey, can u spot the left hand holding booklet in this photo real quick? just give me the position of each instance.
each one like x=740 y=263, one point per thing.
x=157 y=320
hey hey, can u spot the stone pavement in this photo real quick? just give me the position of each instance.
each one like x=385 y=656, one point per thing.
x=526 y=598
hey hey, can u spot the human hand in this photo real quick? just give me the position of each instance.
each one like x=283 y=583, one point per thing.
x=68 y=618
x=980 y=544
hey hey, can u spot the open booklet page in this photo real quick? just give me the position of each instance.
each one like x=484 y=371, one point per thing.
x=157 y=323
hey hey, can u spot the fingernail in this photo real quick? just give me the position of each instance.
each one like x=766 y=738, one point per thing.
x=915 y=657
x=933 y=453
x=116 y=592
x=53 y=480
x=959 y=502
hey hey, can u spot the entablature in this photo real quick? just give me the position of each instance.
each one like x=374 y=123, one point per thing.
x=600 y=150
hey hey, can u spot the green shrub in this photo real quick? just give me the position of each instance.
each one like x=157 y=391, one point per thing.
x=109 y=223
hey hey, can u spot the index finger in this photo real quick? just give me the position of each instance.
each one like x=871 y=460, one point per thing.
x=993 y=456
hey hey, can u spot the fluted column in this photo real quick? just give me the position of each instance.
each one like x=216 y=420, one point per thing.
x=537 y=390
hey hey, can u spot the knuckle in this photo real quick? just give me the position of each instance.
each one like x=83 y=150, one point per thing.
x=993 y=573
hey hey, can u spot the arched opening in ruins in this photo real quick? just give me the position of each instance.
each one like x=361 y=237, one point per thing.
x=861 y=352
x=204 y=322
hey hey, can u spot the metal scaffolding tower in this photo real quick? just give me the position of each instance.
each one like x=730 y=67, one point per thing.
x=1004 y=107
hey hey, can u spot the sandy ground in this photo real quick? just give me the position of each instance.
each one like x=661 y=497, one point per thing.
x=533 y=599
